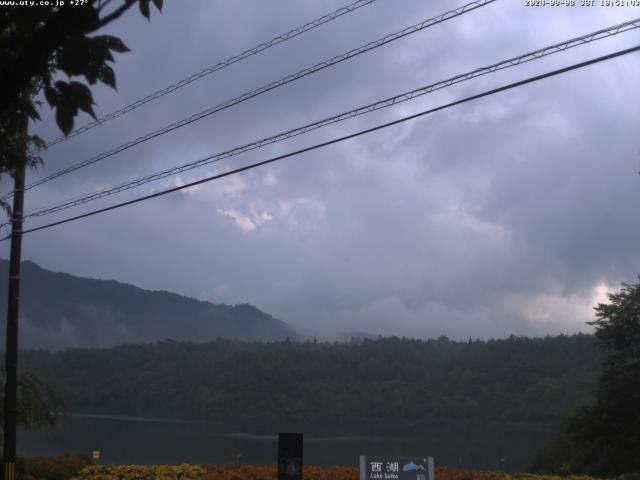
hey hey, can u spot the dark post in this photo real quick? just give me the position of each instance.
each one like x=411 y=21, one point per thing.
x=289 y=456
x=13 y=304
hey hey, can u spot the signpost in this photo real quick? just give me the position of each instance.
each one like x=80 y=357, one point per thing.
x=289 y=456
x=396 y=468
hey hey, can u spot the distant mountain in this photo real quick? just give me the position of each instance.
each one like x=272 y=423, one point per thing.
x=58 y=310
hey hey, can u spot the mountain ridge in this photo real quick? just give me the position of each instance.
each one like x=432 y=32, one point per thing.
x=60 y=310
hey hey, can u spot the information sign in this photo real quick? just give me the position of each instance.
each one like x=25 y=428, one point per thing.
x=396 y=468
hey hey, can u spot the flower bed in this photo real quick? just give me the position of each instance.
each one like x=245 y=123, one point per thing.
x=60 y=467
x=269 y=472
x=142 y=472
x=78 y=467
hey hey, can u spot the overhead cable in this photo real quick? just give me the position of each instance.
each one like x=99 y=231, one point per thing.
x=218 y=66
x=339 y=139
x=388 y=102
x=283 y=81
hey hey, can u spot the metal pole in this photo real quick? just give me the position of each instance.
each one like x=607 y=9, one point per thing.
x=13 y=304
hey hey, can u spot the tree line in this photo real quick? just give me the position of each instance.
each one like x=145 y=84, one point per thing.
x=398 y=382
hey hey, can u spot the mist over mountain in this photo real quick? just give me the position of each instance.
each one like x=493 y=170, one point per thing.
x=58 y=310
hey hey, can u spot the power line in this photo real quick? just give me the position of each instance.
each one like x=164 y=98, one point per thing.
x=218 y=66
x=341 y=139
x=511 y=62
x=283 y=81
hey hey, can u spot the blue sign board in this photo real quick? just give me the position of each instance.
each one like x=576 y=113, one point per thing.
x=396 y=468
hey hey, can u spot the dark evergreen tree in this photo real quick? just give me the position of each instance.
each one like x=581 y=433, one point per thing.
x=604 y=438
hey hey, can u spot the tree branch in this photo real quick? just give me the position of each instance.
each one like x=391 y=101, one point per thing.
x=114 y=15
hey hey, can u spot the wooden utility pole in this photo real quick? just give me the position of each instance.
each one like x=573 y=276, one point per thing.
x=13 y=305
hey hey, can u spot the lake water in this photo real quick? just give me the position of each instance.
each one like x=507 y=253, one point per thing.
x=135 y=440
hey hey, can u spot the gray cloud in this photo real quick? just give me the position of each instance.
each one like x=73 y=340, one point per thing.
x=513 y=214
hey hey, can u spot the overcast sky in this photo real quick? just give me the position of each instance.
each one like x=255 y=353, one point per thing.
x=513 y=214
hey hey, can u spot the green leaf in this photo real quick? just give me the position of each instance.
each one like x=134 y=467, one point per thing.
x=91 y=73
x=72 y=97
x=31 y=111
x=144 y=8
x=75 y=56
x=64 y=118
x=37 y=141
x=81 y=96
x=115 y=44
x=88 y=56
x=100 y=52
x=51 y=94
x=107 y=76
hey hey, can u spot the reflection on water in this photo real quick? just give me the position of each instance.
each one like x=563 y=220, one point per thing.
x=135 y=440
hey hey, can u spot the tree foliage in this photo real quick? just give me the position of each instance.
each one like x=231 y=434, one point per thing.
x=604 y=438
x=388 y=384
x=41 y=50
x=38 y=405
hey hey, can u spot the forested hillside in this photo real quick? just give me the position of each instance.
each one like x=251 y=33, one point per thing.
x=407 y=384
x=59 y=310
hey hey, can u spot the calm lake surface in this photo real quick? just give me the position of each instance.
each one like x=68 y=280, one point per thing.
x=136 y=440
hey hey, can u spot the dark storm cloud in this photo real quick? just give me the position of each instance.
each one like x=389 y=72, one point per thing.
x=512 y=214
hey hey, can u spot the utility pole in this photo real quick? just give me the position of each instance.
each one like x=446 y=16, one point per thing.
x=13 y=304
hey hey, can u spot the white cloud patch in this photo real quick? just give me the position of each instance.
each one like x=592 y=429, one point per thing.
x=269 y=180
x=556 y=312
x=246 y=223
x=179 y=181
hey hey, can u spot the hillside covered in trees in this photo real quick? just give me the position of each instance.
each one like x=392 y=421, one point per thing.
x=59 y=310
x=386 y=383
